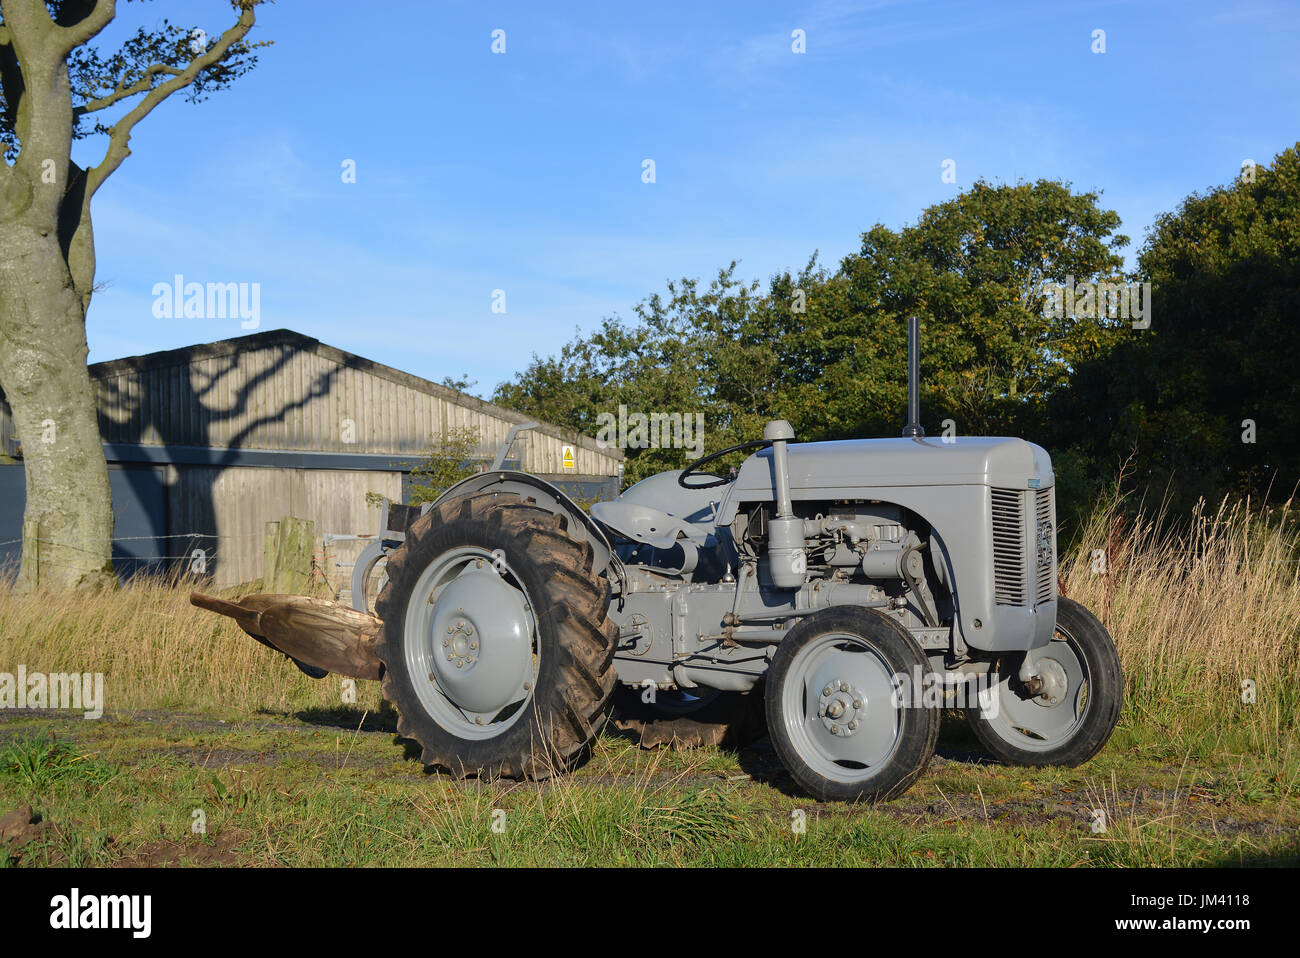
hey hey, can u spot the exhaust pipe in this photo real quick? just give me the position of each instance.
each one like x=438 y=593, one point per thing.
x=913 y=428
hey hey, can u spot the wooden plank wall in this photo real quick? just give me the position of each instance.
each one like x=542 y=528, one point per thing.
x=281 y=397
x=236 y=503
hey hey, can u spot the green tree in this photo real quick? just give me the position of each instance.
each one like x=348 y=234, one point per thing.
x=450 y=460
x=976 y=270
x=670 y=360
x=55 y=88
x=827 y=349
x=1181 y=396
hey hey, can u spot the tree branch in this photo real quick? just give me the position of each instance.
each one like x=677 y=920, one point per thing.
x=86 y=29
x=143 y=85
x=120 y=132
x=32 y=14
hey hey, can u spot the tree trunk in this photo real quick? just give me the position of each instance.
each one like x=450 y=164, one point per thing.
x=47 y=256
x=43 y=372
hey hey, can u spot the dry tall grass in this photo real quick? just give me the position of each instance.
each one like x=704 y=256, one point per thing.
x=1194 y=615
x=158 y=651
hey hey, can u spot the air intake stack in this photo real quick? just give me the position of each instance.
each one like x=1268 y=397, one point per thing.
x=788 y=562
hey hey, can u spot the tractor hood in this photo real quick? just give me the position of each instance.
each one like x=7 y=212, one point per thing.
x=848 y=469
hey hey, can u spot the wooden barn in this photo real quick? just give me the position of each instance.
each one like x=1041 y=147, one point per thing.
x=209 y=443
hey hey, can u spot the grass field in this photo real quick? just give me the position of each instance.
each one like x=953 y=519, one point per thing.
x=204 y=726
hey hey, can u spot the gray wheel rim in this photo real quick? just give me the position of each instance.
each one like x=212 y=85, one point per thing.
x=369 y=577
x=376 y=577
x=471 y=646
x=1032 y=724
x=818 y=710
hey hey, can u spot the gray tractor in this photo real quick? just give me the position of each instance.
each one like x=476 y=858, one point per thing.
x=847 y=591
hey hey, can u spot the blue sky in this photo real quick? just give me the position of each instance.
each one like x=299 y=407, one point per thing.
x=522 y=171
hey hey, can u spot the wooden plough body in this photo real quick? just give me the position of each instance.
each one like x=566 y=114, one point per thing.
x=324 y=635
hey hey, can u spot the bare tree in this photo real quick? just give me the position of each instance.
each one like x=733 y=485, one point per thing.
x=56 y=88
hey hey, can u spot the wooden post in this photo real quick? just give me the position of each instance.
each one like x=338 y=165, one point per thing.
x=290 y=567
x=269 y=555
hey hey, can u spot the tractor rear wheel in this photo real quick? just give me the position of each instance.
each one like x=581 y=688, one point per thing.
x=497 y=647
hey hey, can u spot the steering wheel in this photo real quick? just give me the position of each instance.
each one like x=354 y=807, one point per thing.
x=694 y=468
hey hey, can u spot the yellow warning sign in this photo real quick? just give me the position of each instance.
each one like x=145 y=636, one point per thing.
x=569 y=461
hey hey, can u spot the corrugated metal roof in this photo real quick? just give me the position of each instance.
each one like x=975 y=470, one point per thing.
x=223 y=402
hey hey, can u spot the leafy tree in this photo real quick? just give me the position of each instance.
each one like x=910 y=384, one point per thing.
x=56 y=88
x=1181 y=396
x=449 y=461
x=669 y=361
x=461 y=383
x=976 y=269
x=827 y=349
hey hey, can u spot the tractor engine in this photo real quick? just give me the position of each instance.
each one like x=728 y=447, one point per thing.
x=877 y=545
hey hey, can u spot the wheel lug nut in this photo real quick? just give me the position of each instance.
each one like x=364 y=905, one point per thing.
x=835 y=730
x=828 y=690
x=857 y=703
x=852 y=726
x=473 y=645
x=844 y=686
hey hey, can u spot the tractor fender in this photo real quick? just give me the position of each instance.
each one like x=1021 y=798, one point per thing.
x=547 y=496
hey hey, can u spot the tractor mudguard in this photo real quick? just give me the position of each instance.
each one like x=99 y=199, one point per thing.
x=545 y=494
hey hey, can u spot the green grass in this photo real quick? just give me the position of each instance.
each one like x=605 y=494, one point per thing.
x=275 y=790
x=285 y=772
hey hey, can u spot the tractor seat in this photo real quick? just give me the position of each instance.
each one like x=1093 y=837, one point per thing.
x=645 y=524
x=656 y=511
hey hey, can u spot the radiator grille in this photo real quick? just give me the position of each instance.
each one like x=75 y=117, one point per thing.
x=1045 y=528
x=1008 y=547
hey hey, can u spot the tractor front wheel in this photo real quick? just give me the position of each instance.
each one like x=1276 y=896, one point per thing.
x=838 y=709
x=1068 y=720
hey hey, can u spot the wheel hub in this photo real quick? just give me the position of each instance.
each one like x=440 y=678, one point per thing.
x=461 y=644
x=841 y=707
x=482 y=642
x=1055 y=683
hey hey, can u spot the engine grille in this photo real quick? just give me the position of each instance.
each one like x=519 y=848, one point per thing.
x=1045 y=547
x=1008 y=547
x=1024 y=560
